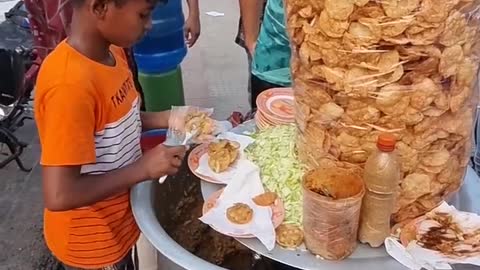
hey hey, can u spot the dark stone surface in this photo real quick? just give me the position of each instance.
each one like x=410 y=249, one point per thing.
x=21 y=211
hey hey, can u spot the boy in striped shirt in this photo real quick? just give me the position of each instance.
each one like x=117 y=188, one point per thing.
x=89 y=122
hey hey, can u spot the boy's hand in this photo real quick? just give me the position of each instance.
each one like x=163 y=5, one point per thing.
x=162 y=160
x=192 y=29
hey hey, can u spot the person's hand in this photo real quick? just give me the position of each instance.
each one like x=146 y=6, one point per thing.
x=192 y=29
x=251 y=47
x=162 y=160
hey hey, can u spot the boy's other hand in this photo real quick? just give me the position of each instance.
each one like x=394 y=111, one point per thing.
x=162 y=160
x=192 y=29
x=251 y=47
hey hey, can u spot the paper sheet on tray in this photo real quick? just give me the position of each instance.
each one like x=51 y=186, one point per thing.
x=227 y=176
x=245 y=186
x=417 y=257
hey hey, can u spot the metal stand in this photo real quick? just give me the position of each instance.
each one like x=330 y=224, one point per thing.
x=16 y=82
x=7 y=128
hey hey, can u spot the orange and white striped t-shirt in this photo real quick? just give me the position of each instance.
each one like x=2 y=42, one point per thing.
x=88 y=114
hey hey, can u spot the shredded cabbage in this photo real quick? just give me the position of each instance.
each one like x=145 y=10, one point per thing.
x=274 y=152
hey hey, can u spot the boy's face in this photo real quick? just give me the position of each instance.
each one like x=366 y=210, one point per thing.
x=125 y=24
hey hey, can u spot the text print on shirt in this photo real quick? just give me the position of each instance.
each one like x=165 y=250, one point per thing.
x=122 y=93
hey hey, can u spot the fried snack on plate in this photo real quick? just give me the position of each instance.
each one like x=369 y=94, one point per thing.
x=289 y=236
x=265 y=199
x=240 y=213
x=222 y=154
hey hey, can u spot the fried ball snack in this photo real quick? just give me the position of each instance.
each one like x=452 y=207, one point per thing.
x=265 y=199
x=222 y=154
x=289 y=236
x=240 y=213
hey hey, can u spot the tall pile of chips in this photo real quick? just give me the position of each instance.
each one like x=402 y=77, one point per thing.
x=408 y=67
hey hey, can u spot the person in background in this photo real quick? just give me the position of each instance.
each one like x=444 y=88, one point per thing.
x=192 y=23
x=87 y=111
x=251 y=13
x=268 y=45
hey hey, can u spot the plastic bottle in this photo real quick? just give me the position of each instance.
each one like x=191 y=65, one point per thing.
x=381 y=175
x=163 y=47
x=159 y=55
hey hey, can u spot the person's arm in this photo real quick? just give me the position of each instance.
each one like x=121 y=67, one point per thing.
x=155 y=120
x=192 y=24
x=64 y=188
x=251 y=12
x=65 y=116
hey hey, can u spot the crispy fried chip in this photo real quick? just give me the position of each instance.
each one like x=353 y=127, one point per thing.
x=370 y=10
x=361 y=3
x=331 y=27
x=399 y=8
x=415 y=185
x=424 y=94
x=436 y=158
x=426 y=37
x=339 y=9
x=329 y=112
x=455 y=30
x=393 y=28
x=452 y=57
x=265 y=199
x=436 y=11
x=363 y=34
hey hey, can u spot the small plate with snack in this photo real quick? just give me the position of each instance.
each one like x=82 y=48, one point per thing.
x=221 y=160
x=241 y=213
x=219 y=157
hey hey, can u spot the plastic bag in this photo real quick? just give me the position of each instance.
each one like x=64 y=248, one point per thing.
x=410 y=68
x=332 y=199
x=182 y=121
x=186 y=119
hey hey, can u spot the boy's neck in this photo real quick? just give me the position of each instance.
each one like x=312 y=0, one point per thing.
x=86 y=40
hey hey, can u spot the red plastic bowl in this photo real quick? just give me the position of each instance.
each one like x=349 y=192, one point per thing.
x=152 y=138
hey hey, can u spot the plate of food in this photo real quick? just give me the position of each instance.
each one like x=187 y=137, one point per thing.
x=242 y=214
x=221 y=154
x=454 y=234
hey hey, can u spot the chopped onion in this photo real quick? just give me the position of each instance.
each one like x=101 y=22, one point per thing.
x=274 y=152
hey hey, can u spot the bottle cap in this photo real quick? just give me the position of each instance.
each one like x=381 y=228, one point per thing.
x=386 y=142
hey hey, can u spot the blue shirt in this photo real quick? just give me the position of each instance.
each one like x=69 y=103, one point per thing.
x=271 y=59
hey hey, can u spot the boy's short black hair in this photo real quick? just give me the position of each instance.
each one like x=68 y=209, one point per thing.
x=78 y=3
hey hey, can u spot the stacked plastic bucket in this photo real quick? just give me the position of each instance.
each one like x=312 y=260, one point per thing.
x=159 y=56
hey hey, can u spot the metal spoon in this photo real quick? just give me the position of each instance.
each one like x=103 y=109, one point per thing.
x=175 y=141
